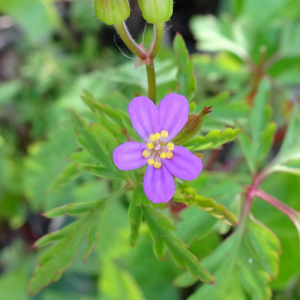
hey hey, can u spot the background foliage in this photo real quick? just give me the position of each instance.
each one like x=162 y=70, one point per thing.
x=55 y=156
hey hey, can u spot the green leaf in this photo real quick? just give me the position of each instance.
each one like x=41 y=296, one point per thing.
x=71 y=209
x=113 y=119
x=58 y=258
x=262 y=130
x=10 y=89
x=43 y=15
x=184 y=280
x=70 y=173
x=195 y=224
x=117 y=283
x=159 y=228
x=213 y=34
x=100 y=171
x=252 y=11
x=189 y=196
x=288 y=157
x=243 y=265
x=135 y=215
x=226 y=110
x=213 y=139
x=96 y=140
x=185 y=76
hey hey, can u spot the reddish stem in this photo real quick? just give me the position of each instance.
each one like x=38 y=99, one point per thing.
x=293 y=215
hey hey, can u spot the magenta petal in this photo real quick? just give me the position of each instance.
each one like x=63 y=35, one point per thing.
x=158 y=184
x=184 y=164
x=144 y=117
x=128 y=156
x=173 y=114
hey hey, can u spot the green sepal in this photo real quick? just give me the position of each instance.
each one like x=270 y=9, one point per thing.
x=112 y=11
x=156 y=11
x=190 y=129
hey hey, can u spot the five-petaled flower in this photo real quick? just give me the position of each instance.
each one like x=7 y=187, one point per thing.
x=157 y=126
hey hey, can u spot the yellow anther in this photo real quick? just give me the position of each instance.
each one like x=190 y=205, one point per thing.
x=163 y=155
x=145 y=153
x=170 y=146
x=157 y=164
x=157 y=135
x=169 y=154
x=150 y=146
x=152 y=138
x=164 y=133
x=150 y=161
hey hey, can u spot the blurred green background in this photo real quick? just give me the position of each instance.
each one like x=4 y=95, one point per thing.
x=50 y=51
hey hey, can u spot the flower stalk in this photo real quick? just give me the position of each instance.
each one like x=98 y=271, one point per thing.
x=151 y=81
x=129 y=41
x=158 y=30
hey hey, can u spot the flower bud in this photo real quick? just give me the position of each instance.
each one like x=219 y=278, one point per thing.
x=112 y=11
x=192 y=127
x=156 y=11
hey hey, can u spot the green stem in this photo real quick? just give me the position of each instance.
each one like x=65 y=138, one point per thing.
x=157 y=40
x=129 y=42
x=151 y=81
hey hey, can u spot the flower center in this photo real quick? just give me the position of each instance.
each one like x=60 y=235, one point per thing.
x=158 y=149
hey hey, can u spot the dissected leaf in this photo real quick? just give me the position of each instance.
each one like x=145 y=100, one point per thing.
x=243 y=265
x=226 y=109
x=159 y=228
x=261 y=128
x=194 y=224
x=213 y=139
x=58 y=258
x=70 y=209
x=87 y=140
x=288 y=158
x=189 y=196
x=212 y=34
x=70 y=173
x=117 y=283
x=185 y=76
x=135 y=215
x=100 y=171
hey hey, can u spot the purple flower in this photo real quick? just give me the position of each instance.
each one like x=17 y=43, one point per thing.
x=157 y=126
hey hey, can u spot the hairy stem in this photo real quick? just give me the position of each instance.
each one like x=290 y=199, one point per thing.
x=157 y=39
x=129 y=42
x=151 y=81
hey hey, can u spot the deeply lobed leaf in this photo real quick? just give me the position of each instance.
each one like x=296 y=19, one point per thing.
x=243 y=265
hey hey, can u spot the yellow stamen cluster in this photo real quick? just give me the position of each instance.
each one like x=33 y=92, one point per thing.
x=150 y=161
x=164 y=133
x=170 y=146
x=157 y=135
x=150 y=146
x=169 y=154
x=163 y=155
x=157 y=164
x=145 y=153
x=157 y=148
